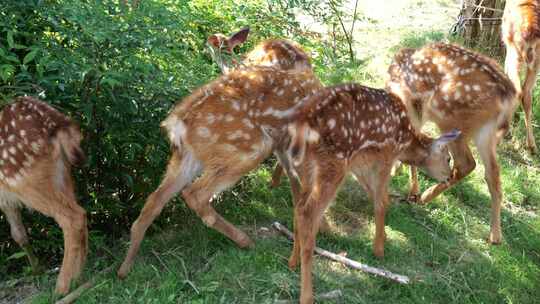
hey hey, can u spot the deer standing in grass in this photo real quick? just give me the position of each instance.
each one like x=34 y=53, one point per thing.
x=38 y=145
x=218 y=134
x=279 y=53
x=350 y=128
x=458 y=88
x=521 y=35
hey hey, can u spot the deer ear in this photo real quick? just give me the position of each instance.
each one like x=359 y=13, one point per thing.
x=446 y=138
x=213 y=40
x=238 y=38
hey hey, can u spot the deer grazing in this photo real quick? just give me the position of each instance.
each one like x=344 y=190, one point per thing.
x=218 y=134
x=350 y=128
x=458 y=88
x=38 y=145
x=278 y=53
x=521 y=36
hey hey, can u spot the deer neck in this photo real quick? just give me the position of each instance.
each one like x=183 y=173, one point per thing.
x=416 y=150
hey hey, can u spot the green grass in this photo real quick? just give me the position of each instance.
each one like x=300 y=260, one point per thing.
x=441 y=246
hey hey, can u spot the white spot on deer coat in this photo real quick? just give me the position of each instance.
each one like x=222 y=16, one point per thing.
x=203 y=132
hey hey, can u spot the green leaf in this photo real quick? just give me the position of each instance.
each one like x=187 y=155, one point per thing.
x=6 y=71
x=110 y=81
x=30 y=56
x=11 y=42
x=17 y=255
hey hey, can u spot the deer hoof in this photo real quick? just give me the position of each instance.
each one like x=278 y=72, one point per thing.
x=495 y=239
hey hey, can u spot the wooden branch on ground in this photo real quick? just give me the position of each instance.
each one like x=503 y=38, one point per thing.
x=348 y=262
x=74 y=295
x=334 y=294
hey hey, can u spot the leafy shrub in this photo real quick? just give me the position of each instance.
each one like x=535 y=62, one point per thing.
x=118 y=71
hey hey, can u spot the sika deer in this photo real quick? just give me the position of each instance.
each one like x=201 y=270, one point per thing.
x=38 y=145
x=219 y=133
x=521 y=35
x=350 y=128
x=458 y=88
x=279 y=53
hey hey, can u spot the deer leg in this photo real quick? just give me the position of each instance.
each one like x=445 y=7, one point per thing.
x=380 y=199
x=414 y=189
x=276 y=176
x=374 y=179
x=486 y=143
x=214 y=180
x=464 y=164
x=18 y=232
x=180 y=171
x=298 y=198
x=309 y=215
x=295 y=252
x=72 y=220
x=67 y=194
x=512 y=66
x=526 y=102
x=55 y=198
x=73 y=227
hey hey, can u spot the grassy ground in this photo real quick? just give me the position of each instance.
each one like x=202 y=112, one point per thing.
x=442 y=246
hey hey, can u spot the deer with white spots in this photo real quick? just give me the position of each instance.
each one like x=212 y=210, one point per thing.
x=278 y=53
x=521 y=36
x=218 y=134
x=38 y=145
x=350 y=128
x=458 y=88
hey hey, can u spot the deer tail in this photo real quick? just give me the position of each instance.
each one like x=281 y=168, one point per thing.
x=301 y=135
x=68 y=141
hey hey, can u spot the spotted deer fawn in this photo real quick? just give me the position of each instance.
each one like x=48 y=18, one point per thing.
x=457 y=88
x=350 y=128
x=218 y=134
x=279 y=53
x=521 y=35
x=38 y=145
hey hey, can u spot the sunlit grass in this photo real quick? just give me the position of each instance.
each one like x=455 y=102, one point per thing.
x=441 y=246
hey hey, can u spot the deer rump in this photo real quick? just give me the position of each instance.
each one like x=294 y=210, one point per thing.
x=29 y=129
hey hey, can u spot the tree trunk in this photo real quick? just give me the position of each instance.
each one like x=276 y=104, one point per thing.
x=479 y=23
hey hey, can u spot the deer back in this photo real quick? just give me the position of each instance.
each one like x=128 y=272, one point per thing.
x=280 y=53
x=233 y=113
x=30 y=131
x=452 y=84
x=349 y=119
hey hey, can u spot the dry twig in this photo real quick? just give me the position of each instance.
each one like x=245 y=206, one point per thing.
x=351 y=263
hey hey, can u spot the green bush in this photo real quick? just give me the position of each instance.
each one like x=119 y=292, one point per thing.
x=117 y=71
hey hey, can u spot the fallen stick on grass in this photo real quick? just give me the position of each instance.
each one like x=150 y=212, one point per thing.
x=74 y=295
x=351 y=263
x=334 y=294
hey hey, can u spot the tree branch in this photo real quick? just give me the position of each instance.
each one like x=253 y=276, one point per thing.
x=348 y=262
